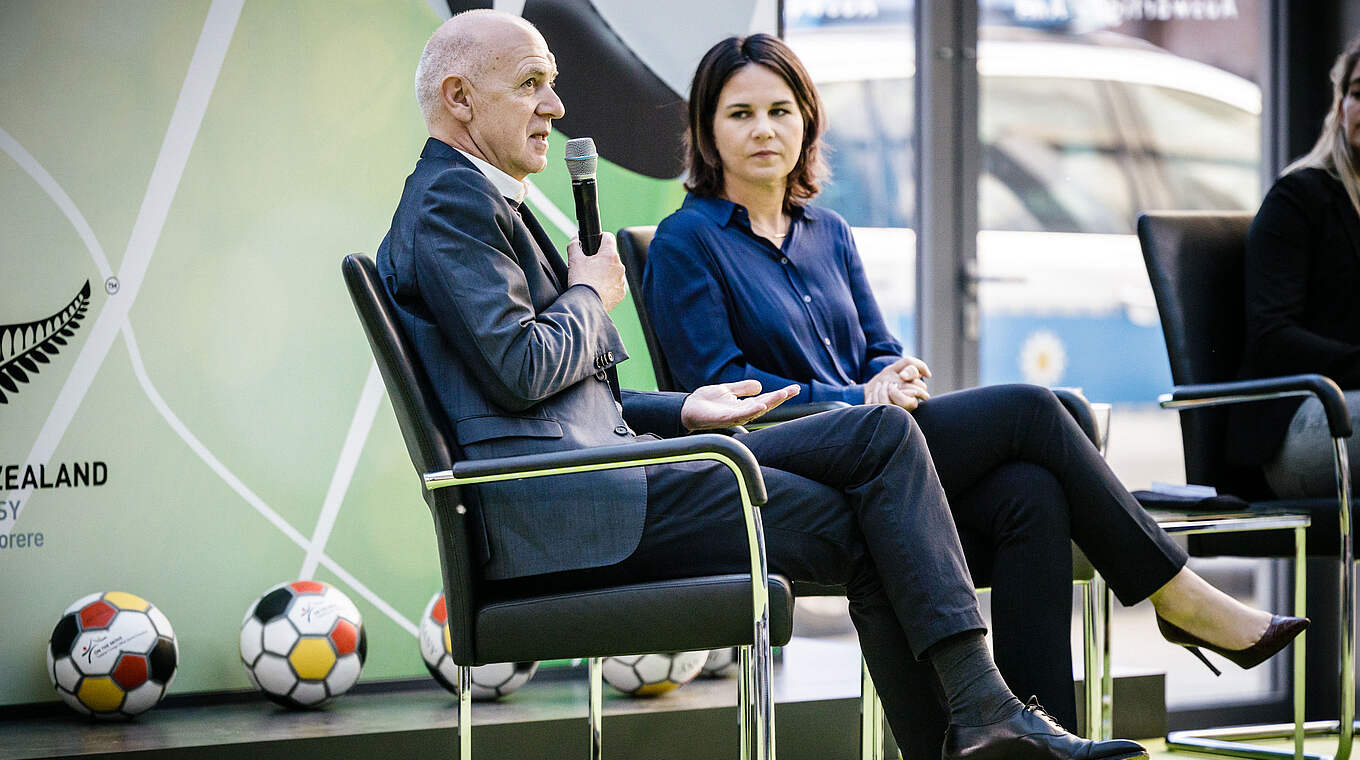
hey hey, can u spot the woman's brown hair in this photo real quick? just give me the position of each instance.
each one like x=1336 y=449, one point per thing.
x=702 y=163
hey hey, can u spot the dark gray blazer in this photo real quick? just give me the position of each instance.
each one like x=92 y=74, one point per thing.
x=1302 y=302
x=521 y=364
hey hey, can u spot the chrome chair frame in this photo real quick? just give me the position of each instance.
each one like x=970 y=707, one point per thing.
x=756 y=702
x=1196 y=266
x=1216 y=741
x=1234 y=741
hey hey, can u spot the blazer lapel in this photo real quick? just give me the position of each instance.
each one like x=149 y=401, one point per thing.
x=552 y=263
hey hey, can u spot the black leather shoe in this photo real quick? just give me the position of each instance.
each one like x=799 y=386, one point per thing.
x=1031 y=734
x=1279 y=633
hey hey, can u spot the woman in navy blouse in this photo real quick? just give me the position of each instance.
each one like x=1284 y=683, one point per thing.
x=750 y=281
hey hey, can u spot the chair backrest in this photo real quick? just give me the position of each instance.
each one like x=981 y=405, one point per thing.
x=428 y=442
x=633 y=245
x=1195 y=264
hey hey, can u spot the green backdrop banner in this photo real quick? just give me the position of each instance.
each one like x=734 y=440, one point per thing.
x=205 y=419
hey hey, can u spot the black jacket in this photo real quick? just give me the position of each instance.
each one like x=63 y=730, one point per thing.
x=1302 y=302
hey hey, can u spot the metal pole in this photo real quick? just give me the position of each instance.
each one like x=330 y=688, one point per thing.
x=745 y=700
x=464 y=712
x=595 y=715
x=1091 y=676
x=1300 y=610
x=1346 y=718
x=870 y=716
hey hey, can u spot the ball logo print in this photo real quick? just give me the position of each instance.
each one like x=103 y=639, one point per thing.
x=303 y=643
x=319 y=610
x=112 y=655
x=87 y=651
x=100 y=647
x=488 y=681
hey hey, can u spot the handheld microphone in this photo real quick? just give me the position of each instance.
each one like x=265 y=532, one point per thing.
x=581 y=162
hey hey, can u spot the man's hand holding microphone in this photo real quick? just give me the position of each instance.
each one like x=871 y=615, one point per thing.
x=603 y=272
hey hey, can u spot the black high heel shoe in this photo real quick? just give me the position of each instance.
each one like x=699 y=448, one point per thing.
x=1279 y=633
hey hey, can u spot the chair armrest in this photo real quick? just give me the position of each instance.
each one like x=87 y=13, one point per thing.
x=1264 y=389
x=786 y=412
x=710 y=446
x=718 y=448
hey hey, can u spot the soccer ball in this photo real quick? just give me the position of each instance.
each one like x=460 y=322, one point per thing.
x=649 y=675
x=488 y=681
x=303 y=643
x=112 y=655
x=720 y=663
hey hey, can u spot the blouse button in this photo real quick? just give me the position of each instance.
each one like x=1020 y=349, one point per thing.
x=807 y=299
x=826 y=341
x=620 y=430
x=784 y=261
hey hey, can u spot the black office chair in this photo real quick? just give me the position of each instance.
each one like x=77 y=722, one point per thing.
x=1195 y=262
x=750 y=611
x=634 y=243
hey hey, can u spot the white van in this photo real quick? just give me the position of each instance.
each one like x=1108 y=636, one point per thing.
x=1078 y=136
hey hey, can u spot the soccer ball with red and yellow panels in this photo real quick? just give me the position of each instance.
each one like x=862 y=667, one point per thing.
x=488 y=681
x=112 y=655
x=303 y=643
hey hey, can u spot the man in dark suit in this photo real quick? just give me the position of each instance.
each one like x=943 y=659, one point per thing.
x=521 y=353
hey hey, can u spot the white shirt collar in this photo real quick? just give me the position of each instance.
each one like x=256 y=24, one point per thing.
x=509 y=186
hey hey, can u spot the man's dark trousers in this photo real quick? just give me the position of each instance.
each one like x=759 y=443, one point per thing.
x=853 y=500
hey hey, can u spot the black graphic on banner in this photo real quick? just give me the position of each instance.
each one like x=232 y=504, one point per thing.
x=26 y=346
x=642 y=131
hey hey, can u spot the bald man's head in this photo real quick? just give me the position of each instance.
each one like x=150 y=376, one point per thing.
x=465 y=45
x=485 y=84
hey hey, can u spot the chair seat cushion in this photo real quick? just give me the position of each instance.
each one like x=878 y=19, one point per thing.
x=674 y=615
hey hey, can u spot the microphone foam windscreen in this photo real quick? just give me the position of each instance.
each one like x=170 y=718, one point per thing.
x=581 y=158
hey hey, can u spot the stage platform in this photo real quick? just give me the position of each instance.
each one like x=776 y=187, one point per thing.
x=817 y=718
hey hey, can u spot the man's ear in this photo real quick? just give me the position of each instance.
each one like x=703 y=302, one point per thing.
x=454 y=91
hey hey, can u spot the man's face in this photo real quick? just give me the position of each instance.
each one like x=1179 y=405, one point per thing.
x=513 y=102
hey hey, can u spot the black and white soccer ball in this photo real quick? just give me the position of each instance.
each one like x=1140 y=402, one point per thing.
x=650 y=675
x=488 y=681
x=112 y=655
x=721 y=663
x=303 y=643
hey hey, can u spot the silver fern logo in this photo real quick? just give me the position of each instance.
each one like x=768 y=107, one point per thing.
x=25 y=348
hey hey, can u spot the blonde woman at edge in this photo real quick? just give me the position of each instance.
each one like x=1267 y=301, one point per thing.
x=1303 y=314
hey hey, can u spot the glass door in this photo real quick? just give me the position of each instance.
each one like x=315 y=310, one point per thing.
x=1088 y=114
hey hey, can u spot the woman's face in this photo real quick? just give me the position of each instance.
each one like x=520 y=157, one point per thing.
x=757 y=128
x=1350 y=110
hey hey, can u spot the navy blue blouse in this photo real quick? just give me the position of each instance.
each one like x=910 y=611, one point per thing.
x=728 y=304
